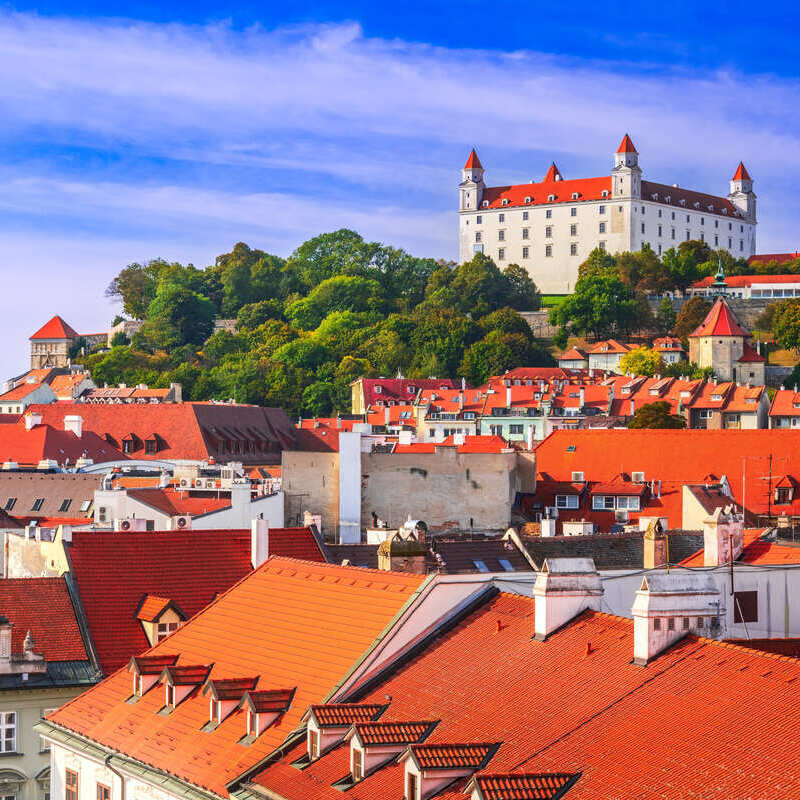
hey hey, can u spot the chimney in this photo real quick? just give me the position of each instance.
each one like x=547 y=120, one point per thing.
x=5 y=644
x=633 y=407
x=74 y=423
x=548 y=528
x=564 y=587
x=508 y=397
x=177 y=392
x=259 y=542
x=723 y=532
x=386 y=416
x=670 y=605
x=32 y=420
x=655 y=544
x=582 y=398
x=461 y=400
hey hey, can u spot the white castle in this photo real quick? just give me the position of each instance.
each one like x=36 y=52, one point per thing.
x=550 y=227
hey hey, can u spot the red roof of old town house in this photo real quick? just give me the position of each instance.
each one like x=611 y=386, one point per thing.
x=56 y=328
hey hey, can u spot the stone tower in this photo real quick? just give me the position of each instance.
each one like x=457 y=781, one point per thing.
x=742 y=194
x=471 y=187
x=626 y=176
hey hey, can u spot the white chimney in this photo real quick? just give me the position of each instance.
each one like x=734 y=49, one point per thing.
x=259 y=542
x=633 y=407
x=5 y=643
x=723 y=534
x=386 y=416
x=670 y=605
x=32 y=420
x=508 y=397
x=564 y=587
x=459 y=439
x=582 y=398
x=74 y=423
x=548 y=526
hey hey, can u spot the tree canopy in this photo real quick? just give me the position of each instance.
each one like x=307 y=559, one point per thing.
x=656 y=415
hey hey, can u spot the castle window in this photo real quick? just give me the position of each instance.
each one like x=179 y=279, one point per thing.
x=551 y=198
x=548 y=231
x=525 y=233
x=716 y=241
x=673 y=233
x=574 y=195
x=741 y=245
x=601 y=210
x=478 y=219
x=601 y=245
x=524 y=216
x=730 y=243
x=501 y=254
x=702 y=236
x=548 y=213
x=602 y=227
x=659 y=230
x=485 y=204
x=573 y=249
x=573 y=230
x=501 y=236
x=505 y=201
x=477 y=236
x=528 y=199
x=604 y=193
x=643 y=208
x=687 y=236
x=501 y=217
x=716 y=223
x=643 y=227
x=702 y=220
x=524 y=252
x=741 y=229
x=573 y=212
x=548 y=250
x=659 y=213
x=730 y=226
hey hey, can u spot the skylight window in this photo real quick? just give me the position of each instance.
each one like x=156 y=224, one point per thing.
x=480 y=565
x=85 y=505
x=506 y=564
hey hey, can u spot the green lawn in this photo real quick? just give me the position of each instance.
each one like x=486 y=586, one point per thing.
x=550 y=300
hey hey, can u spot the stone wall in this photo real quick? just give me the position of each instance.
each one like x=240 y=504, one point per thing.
x=310 y=482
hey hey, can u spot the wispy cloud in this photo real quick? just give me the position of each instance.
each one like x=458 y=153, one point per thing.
x=190 y=138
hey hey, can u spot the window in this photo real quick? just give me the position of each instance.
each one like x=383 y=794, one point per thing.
x=526 y=233
x=501 y=254
x=702 y=220
x=548 y=250
x=103 y=792
x=358 y=764
x=573 y=230
x=480 y=565
x=573 y=212
x=573 y=249
x=505 y=564
x=601 y=502
x=10 y=503
x=478 y=236
x=602 y=227
x=671 y=623
x=741 y=244
x=643 y=227
x=656 y=623
x=8 y=732
x=548 y=232
x=548 y=214
x=686 y=623
x=673 y=233
x=170 y=695
x=501 y=217
x=65 y=504
x=631 y=503
x=524 y=252
x=313 y=744
x=687 y=236
x=478 y=219
x=70 y=785
x=252 y=723
x=601 y=210
x=412 y=786
x=127 y=446
x=378 y=389
x=515 y=429
x=659 y=230
x=745 y=606
x=730 y=243
x=165 y=629
x=643 y=209
x=716 y=241
x=151 y=446
x=524 y=216
x=501 y=236
x=783 y=495
x=601 y=245
x=496 y=430
x=566 y=501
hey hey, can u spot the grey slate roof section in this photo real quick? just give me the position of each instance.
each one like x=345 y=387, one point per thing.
x=59 y=673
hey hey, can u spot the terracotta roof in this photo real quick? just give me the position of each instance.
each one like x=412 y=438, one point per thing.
x=269 y=701
x=56 y=328
x=707 y=203
x=175 y=502
x=167 y=564
x=610 y=346
x=766 y=258
x=539 y=193
x=758 y=551
x=741 y=173
x=626 y=145
x=43 y=607
x=152 y=664
x=152 y=606
x=453 y=756
x=552 y=174
x=21 y=391
x=573 y=354
x=720 y=321
x=785 y=403
x=340 y=715
x=304 y=635
x=56 y=490
x=473 y=162
x=749 y=355
x=187 y=674
x=400 y=390
x=490 y=682
x=740 y=281
x=64 y=385
x=511 y=786
x=229 y=688
x=393 y=732
x=193 y=431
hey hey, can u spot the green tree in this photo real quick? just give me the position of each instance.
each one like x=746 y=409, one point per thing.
x=692 y=313
x=786 y=325
x=498 y=352
x=252 y=315
x=340 y=293
x=135 y=286
x=656 y=415
x=642 y=361
x=601 y=305
x=177 y=316
x=665 y=316
x=687 y=369
x=506 y=320
x=598 y=262
x=521 y=292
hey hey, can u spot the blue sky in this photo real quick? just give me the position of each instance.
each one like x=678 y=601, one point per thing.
x=143 y=129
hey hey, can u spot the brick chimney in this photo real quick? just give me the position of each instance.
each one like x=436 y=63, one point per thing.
x=655 y=545
x=564 y=587
x=670 y=605
x=723 y=534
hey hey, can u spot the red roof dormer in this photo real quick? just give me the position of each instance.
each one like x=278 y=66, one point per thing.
x=263 y=708
x=180 y=681
x=147 y=670
x=431 y=767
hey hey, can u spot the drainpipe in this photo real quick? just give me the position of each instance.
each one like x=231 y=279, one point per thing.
x=121 y=777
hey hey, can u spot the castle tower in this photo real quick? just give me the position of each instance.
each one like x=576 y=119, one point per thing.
x=471 y=187
x=626 y=175
x=742 y=194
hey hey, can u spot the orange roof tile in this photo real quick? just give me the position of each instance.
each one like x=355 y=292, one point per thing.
x=55 y=328
x=337 y=715
x=741 y=281
x=453 y=756
x=152 y=607
x=289 y=622
x=269 y=700
x=539 y=193
x=552 y=174
x=394 y=732
x=720 y=321
x=513 y=786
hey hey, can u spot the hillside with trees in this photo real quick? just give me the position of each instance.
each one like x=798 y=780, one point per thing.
x=338 y=308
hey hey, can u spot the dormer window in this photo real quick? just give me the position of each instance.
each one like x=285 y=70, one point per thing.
x=485 y=204
x=654 y=196
x=263 y=708
x=146 y=672
x=668 y=199
x=180 y=682
x=724 y=210
x=170 y=696
x=696 y=204
x=159 y=617
x=575 y=195
x=551 y=198
x=604 y=193
x=682 y=201
x=357 y=764
x=313 y=744
x=528 y=199
x=710 y=207
x=505 y=201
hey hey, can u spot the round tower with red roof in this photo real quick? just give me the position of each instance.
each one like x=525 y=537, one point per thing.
x=472 y=185
x=742 y=194
x=626 y=175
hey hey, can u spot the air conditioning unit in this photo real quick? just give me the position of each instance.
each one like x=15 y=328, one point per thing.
x=185 y=483
x=621 y=515
x=637 y=477
x=198 y=483
x=101 y=514
x=182 y=523
x=211 y=483
x=132 y=524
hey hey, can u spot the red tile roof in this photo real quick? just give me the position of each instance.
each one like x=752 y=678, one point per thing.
x=192 y=431
x=785 y=403
x=629 y=731
x=741 y=173
x=512 y=786
x=339 y=715
x=766 y=258
x=175 y=502
x=707 y=203
x=270 y=700
x=750 y=356
x=381 y=391
x=56 y=328
x=741 y=281
x=29 y=447
x=573 y=354
x=626 y=145
x=473 y=162
x=610 y=346
x=114 y=571
x=552 y=174
x=757 y=551
x=453 y=756
x=20 y=392
x=561 y=191
x=720 y=321
x=372 y=733
x=43 y=607
x=292 y=623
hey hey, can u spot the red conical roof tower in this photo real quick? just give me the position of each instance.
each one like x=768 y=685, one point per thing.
x=626 y=145
x=741 y=173
x=552 y=174
x=473 y=162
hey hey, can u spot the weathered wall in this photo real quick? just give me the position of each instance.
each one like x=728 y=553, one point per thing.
x=445 y=489
x=311 y=483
